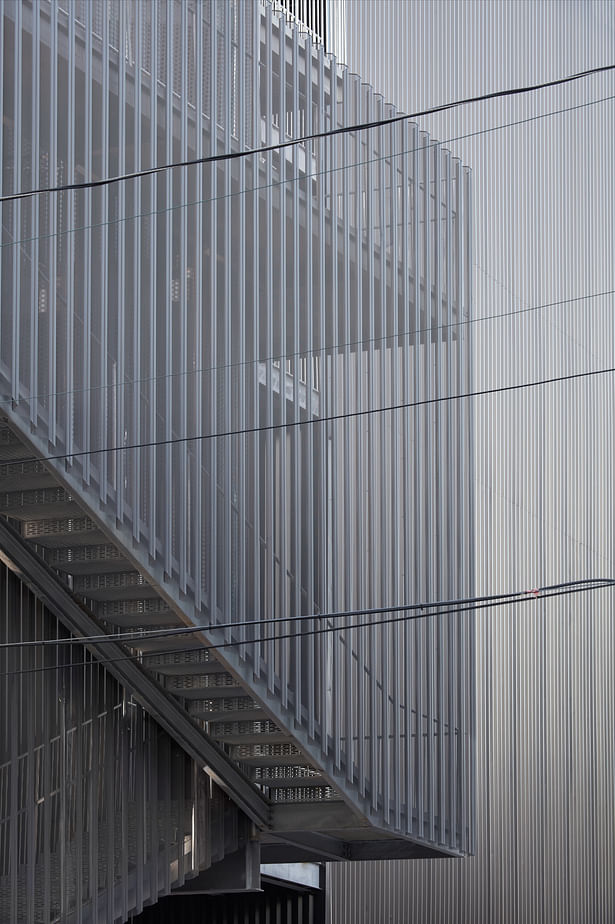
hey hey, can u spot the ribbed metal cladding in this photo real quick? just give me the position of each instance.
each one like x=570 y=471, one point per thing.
x=543 y=232
x=100 y=810
x=256 y=299
x=274 y=903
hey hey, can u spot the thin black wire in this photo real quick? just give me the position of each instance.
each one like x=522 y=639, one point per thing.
x=315 y=136
x=314 y=351
x=339 y=614
x=527 y=597
x=307 y=176
x=247 y=431
x=8 y=401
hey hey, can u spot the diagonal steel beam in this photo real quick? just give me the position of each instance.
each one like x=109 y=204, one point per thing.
x=170 y=715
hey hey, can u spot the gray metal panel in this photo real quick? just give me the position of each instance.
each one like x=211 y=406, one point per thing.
x=540 y=475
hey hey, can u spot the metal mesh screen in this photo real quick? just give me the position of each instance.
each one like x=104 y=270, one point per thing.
x=215 y=353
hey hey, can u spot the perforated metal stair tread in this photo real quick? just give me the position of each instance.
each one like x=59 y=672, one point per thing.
x=37 y=504
x=257 y=738
x=155 y=646
x=87 y=559
x=62 y=531
x=263 y=760
x=174 y=670
x=17 y=476
x=232 y=705
x=112 y=586
x=217 y=684
x=142 y=613
x=211 y=693
x=247 y=733
x=191 y=664
x=266 y=754
x=220 y=716
x=10 y=446
x=291 y=782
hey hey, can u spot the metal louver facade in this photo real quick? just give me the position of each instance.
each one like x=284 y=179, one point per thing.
x=204 y=358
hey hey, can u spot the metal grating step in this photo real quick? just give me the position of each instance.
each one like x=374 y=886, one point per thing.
x=154 y=613
x=213 y=693
x=264 y=760
x=245 y=738
x=87 y=559
x=213 y=715
x=62 y=531
x=17 y=476
x=266 y=754
x=294 y=784
x=112 y=586
x=201 y=685
x=230 y=709
x=300 y=786
x=305 y=794
x=35 y=505
x=155 y=646
x=290 y=778
x=176 y=664
x=10 y=446
x=239 y=733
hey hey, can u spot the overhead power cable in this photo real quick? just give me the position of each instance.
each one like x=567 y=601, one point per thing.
x=526 y=597
x=329 y=418
x=339 y=614
x=303 y=177
x=314 y=136
x=129 y=383
x=7 y=401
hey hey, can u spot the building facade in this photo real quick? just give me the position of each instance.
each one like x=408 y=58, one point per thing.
x=218 y=392
x=542 y=245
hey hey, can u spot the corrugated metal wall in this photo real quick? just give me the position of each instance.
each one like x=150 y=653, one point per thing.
x=544 y=222
x=273 y=905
